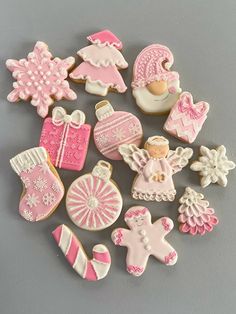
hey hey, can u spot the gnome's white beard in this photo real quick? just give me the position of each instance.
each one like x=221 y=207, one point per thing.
x=154 y=104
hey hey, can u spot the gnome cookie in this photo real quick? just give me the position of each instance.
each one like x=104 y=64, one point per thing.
x=102 y=59
x=144 y=239
x=155 y=87
x=155 y=165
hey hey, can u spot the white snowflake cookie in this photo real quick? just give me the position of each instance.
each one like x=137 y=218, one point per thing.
x=213 y=166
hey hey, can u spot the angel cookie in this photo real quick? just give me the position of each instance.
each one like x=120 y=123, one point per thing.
x=144 y=239
x=155 y=87
x=155 y=165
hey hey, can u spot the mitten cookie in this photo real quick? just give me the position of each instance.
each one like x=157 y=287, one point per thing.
x=102 y=60
x=43 y=189
x=115 y=128
x=95 y=269
x=144 y=239
x=93 y=201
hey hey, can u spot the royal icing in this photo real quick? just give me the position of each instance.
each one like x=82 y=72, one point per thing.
x=39 y=198
x=115 y=128
x=93 y=201
x=195 y=215
x=102 y=60
x=155 y=165
x=155 y=88
x=213 y=166
x=95 y=269
x=144 y=239
x=40 y=79
x=186 y=118
x=66 y=138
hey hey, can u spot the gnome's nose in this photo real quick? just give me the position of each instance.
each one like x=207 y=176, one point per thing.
x=157 y=87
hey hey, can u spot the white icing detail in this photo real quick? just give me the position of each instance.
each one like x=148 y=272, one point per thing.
x=49 y=199
x=134 y=128
x=148 y=247
x=44 y=168
x=103 y=170
x=40 y=184
x=102 y=140
x=56 y=187
x=80 y=264
x=118 y=134
x=164 y=196
x=103 y=110
x=27 y=214
x=26 y=181
x=96 y=87
x=143 y=232
x=32 y=200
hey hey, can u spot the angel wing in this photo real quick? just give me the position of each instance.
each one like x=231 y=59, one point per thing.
x=179 y=158
x=135 y=157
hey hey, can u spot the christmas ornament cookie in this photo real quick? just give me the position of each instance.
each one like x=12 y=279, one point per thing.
x=186 y=118
x=155 y=165
x=155 y=87
x=66 y=138
x=195 y=215
x=102 y=60
x=42 y=187
x=144 y=239
x=40 y=79
x=213 y=166
x=115 y=128
x=93 y=200
x=95 y=269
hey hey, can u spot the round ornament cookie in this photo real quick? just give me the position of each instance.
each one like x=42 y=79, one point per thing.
x=93 y=200
x=115 y=128
x=155 y=87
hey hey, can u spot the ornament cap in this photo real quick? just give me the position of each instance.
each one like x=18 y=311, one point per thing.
x=103 y=110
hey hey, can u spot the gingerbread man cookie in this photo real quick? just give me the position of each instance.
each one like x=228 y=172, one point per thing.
x=144 y=239
x=40 y=79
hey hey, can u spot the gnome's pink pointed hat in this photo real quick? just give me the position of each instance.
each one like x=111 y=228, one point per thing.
x=105 y=37
x=152 y=64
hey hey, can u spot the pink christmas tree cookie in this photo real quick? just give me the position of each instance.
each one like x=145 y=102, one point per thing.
x=115 y=128
x=95 y=269
x=40 y=79
x=94 y=201
x=144 y=239
x=102 y=60
x=195 y=215
x=186 y=118
x=155 y=165
x=43 y=189
x=155 y=87
x=66 y=138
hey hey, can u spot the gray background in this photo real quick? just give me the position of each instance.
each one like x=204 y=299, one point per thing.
x=35 y=278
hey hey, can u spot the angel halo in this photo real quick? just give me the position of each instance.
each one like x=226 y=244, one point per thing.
x=155 y=165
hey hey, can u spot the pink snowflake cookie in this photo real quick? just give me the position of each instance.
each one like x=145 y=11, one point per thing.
x=144 y=239
x=40 y=79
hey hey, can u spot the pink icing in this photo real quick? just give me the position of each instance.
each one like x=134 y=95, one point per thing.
x=118 y=237
x=144 y=239
x=186 y=118
x=165 y=224
x=40 y=78
x=103 y=257
x=150 y=65
x=132 y=213
x=105 y=37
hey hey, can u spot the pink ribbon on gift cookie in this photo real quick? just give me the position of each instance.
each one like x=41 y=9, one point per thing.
x=195 y=111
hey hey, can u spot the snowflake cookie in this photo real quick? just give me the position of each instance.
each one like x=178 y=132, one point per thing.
x=213 y=166
x=40 y=79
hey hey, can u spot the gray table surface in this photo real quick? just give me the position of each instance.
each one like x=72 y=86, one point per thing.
x=35 y=278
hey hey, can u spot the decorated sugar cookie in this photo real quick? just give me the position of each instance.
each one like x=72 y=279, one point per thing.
x=66 y=138
x=43 y=189
x=102 y=60
x=213 y=166
x=186 y=118
x=144 y=239
x=155 y=165
x=115 y=128
x=40 y=79
x=95 y=269
x=195 y=215
x=155 y=87
x=93 y=200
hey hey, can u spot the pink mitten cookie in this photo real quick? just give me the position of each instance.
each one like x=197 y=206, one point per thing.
x=102 y=60
x=115 y=128
x=144 y=239
x=155 y=88
x=186 y=119
x=40 y=79
x=93 y=201
x=195 y=215
x=43 y=189
x=66 y=138
x=95 y=269
x=155 y=165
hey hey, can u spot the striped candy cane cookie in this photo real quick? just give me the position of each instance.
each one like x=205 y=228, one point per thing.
x=92 y=270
